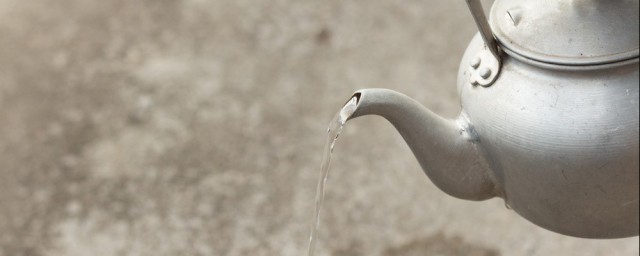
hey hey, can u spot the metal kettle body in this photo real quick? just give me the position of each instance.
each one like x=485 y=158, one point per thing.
x=555 y=136
x=562 y=143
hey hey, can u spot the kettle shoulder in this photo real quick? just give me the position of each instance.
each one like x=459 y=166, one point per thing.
x=539 y=107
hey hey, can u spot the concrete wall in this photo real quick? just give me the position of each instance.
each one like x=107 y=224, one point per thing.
x=162 y=127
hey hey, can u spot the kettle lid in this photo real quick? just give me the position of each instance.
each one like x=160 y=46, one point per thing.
x=568 y=32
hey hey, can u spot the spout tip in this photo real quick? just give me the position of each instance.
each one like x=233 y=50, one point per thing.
x=355 y=99
x=349 y=108
x=373 y=101
x=356 y=95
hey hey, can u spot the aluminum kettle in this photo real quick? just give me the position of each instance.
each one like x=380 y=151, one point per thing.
x=550 y=116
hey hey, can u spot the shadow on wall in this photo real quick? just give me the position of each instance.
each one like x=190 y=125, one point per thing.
x=437 y=245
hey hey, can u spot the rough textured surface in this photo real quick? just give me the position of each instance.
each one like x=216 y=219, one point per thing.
x=158 y=127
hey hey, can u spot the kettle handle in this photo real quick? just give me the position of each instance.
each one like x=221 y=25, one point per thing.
x=475 y=6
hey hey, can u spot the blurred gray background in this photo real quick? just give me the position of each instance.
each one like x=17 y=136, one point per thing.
x=195 y=127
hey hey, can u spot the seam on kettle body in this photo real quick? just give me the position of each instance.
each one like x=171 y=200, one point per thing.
x=465 y=128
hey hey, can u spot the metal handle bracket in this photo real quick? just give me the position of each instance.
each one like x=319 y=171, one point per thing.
x=487 y=64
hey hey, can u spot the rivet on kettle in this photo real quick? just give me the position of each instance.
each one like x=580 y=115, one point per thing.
x=475 y=62
x=485 y=72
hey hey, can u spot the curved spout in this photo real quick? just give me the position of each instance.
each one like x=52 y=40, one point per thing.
x=446 y=149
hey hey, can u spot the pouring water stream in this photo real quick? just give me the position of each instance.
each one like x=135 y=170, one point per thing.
x=335 y=127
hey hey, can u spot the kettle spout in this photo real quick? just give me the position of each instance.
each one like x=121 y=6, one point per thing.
x=447 y=150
